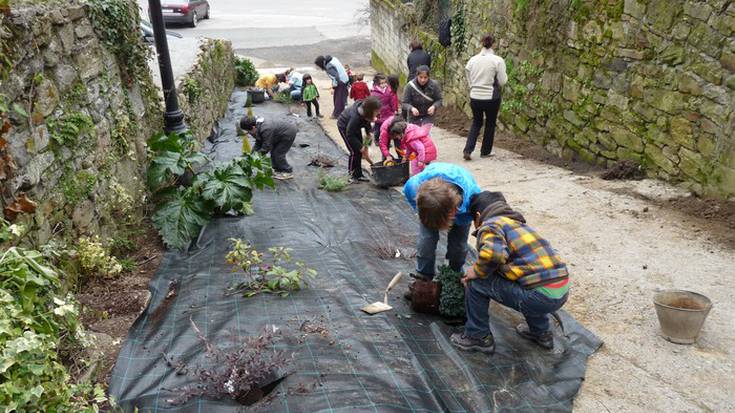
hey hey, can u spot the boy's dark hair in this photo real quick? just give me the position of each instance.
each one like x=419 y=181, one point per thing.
x=416 y=45
x=247 y=123
x=305 y=77
x=394 y=82
x=319 y=62
x=359 y=77
x=435 y=201
x=370 y=107
x=484 y=199
x=487 y=40
x=378 y=77
x=423 y=69
x=281 y=77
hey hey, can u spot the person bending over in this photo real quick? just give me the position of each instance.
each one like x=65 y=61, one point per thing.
x=515 y=267
x=272 y=136
x=441 y=194
x=350 y=124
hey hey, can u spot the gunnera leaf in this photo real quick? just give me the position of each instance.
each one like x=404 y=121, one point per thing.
x=228 y=187
x=180 y=218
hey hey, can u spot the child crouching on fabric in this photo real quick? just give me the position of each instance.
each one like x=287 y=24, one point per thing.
x=416 y=142
x=515 y=267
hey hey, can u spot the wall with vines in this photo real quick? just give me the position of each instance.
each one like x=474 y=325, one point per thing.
x=76 y=105
x=651 y=82
x=205 y=90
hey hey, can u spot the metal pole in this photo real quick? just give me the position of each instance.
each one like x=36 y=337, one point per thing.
x=173 y=118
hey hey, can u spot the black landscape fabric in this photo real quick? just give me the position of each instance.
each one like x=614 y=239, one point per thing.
x=396 y=361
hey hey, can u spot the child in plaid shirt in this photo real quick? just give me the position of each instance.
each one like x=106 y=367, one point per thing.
x=515 y=267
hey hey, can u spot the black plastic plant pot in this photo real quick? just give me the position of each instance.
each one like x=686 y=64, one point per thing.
x=388 y=176
x=256 y=95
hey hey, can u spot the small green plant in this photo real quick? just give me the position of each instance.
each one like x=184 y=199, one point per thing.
x=269 y=276
x=451 y=300
x=67 y=129
x=128 y=265
x=333 y=183
x=95 y=260
x=192 y=89
x=283 y=97
x=245 y=73
x=77 y=187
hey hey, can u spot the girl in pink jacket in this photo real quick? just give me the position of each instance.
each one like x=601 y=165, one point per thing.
x=415 y=139
x=385 y=138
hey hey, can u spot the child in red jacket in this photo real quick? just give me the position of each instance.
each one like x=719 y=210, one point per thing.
x=359 y=90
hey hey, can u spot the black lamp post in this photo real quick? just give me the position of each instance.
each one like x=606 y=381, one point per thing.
x=173 y=118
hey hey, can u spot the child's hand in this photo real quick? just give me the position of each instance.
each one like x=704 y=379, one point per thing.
x=469 y=275
x=431 y=110
x=414 y=111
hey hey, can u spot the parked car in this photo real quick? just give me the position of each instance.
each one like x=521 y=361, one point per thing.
x=146 y=31
x=185 y=11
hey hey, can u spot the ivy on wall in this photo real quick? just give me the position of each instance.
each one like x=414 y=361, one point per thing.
x=459 y=29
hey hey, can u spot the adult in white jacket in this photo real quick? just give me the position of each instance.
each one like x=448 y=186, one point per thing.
x=485 y=75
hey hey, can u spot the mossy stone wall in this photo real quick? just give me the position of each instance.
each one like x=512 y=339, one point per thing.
x=648 y=81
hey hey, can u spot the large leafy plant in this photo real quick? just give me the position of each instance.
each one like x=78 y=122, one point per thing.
x=184 y=206
x=175 y=155
x=38 y=328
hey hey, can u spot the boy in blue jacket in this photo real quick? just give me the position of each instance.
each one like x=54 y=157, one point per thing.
x=441 y=194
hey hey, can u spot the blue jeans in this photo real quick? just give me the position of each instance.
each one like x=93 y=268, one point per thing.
x=426 y=249
x=532 y=304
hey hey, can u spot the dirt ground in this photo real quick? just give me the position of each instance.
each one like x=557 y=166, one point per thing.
x=110 y=306
x=624 y=241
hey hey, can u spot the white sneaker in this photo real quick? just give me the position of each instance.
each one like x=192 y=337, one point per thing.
x=282 y=176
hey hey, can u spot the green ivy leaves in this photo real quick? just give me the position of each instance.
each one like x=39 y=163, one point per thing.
x=36 y=324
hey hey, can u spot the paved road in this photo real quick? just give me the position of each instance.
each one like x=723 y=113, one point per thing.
x=254 y=24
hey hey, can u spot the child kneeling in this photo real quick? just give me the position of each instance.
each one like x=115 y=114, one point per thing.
x=516 y=268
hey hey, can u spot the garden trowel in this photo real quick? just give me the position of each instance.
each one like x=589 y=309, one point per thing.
x=378 y=307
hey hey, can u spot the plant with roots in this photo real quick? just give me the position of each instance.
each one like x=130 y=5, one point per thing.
x=240 y=371
x=276 y=274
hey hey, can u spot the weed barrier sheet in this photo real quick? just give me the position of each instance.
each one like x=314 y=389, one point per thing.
x=396 y=361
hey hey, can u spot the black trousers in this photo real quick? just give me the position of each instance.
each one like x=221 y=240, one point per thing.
x=278 y=154
x=354 y=146
x=487 y=109
x=308 y=107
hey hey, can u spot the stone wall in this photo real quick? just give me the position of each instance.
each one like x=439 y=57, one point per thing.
x=648 y=81
x=205 y=90
x=73 y=150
